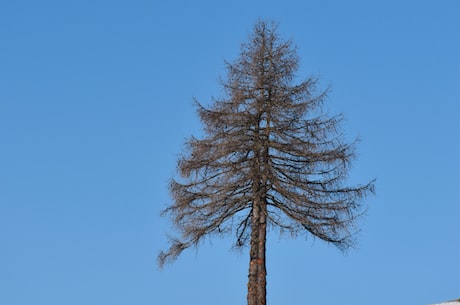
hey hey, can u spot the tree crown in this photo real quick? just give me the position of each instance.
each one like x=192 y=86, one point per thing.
x=266 y=142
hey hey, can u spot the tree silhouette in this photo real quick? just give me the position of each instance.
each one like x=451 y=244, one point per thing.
x=270 y=158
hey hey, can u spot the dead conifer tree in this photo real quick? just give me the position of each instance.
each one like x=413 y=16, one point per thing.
x=270 y=158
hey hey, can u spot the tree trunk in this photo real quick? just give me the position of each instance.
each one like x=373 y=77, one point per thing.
x=257 y=282
x=262 y=272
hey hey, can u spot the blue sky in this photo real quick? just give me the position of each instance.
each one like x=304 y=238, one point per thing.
x=95 y=105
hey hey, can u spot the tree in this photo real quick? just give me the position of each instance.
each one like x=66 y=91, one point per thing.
x=270 y=158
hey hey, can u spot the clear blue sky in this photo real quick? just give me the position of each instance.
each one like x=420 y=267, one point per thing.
x=95 y=104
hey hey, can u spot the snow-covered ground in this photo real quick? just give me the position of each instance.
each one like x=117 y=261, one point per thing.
x=455 y=302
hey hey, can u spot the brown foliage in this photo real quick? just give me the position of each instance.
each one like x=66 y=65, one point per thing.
x=270 y=156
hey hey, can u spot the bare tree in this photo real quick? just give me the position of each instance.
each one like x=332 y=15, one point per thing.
x=269 y=158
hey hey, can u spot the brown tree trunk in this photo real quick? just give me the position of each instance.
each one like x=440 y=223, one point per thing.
x=253 y=257
x=257 y=278
x=262 y=271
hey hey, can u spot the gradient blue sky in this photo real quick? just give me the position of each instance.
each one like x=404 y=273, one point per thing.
x=95 y=104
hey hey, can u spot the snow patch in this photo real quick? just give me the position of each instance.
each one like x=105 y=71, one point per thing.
x=456 y=302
